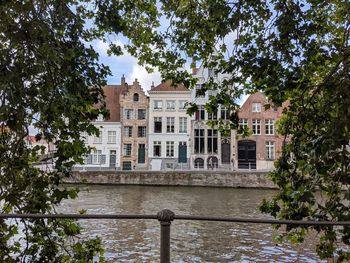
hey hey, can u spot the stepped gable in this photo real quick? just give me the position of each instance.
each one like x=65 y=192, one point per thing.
x=167 y=86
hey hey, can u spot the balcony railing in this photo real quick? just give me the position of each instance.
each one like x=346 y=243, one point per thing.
x=166 y=216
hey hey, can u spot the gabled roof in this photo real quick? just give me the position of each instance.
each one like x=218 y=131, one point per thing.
x=167 y=86
x=113 y=93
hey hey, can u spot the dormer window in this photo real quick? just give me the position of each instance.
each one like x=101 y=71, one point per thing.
x=136 y=97
x=256 y=107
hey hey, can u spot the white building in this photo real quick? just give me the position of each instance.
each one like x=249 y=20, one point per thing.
x=209 y=148
x=169 y=127
x=107 y=146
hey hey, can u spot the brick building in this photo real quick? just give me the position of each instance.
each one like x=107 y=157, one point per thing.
x=134 y=119
x=259 y=150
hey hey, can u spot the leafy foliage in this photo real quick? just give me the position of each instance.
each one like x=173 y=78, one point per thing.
x=295 y=51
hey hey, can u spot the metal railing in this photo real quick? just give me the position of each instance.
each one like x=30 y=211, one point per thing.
x=166 y=216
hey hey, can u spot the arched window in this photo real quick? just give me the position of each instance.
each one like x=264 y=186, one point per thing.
x=198 y=163
x=136 y=97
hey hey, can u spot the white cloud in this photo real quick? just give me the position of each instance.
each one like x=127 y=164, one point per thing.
x=144 y=78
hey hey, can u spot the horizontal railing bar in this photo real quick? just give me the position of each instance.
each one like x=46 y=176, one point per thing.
x=78 y=216
x=179 y=217
x=261 y=221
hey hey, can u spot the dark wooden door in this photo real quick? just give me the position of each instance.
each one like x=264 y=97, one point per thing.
x=247 y=154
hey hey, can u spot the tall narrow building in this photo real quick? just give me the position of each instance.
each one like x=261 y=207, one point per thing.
x=134 y=118
x=169 y=127
x=209 y=148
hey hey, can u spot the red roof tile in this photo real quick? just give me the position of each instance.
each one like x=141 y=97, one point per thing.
x=167 y=86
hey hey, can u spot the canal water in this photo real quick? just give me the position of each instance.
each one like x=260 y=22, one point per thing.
x=191 y=241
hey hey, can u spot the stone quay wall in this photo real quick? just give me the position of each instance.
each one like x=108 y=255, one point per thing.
x=234 y=179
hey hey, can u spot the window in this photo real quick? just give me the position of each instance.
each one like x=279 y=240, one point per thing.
x=170 y=104
x=225 y=115
x=128 y=131
x=182 y=104
x=212 y=141
x=96 y=157
x=199 y=140
x=98 y=139
x=127 y=149
x=136 y=97
x=198 y=163
x=256 y=107
x=169 y=149
x=128 y=113
x=212 y=116
x=200 y=90
x=158 y=105
x=211 y=73
x=112 y=137
x=243 y=124
x=157 y=124
x=270 y=150
x=256 y=127
x=269 y=127
x=200 y=114
x=183 y=143
x=141 y=114
x=170 y=124
x=183 y=125
x=141 y=131
x=157 y=146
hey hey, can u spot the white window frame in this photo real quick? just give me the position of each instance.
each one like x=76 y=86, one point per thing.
x=98 y=139
x=157 y=143
x=170 y=104
x=126 y=149
x=128 y=131
x=270 y=150
x=182 y=104
x=170 y=124
x=256 y=107
x=96 y=156
x=158 y=105
x=256 y=127
x=270 y=127
x=170 y=149
x=129 y=114
x=182 y=124
x=112 y=137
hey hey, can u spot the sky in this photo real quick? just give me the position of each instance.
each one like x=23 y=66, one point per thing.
x=125 y=65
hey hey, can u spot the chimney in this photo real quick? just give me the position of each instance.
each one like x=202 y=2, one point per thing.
x=123 y=81
x=193 y=66
x=152 y=86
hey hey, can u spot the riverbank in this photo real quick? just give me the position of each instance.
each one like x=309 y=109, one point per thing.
x=233 y=179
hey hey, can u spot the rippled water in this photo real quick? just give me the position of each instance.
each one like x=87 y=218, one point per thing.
x=191 y=241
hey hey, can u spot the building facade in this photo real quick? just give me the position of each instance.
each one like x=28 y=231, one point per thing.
x=259 y=150
x=209 y=148
x=107 y=146
x=134 y=105
x=169 y=127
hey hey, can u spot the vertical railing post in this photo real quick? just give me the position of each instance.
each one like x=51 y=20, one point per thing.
x=165 y=217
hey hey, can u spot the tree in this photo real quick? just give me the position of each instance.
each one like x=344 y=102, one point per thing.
x=296 y=51
x=291 y=50
x=49 y=79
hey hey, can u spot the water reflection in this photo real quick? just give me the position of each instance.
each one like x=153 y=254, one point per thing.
x=191 y=241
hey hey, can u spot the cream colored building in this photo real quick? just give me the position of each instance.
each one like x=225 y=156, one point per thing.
x=169 y=127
